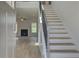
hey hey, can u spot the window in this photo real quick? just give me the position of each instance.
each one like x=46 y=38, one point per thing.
x=34 y=27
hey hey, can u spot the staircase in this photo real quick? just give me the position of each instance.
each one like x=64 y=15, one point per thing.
x=60 y=43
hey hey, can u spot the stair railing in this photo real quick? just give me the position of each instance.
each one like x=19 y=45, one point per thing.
x=43 y=26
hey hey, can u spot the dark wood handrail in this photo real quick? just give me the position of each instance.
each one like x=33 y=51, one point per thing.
x=43 y=23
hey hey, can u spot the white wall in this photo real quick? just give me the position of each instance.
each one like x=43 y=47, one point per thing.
x=25 y=25
x=11 y=4
x=69 y=12
x=7 y=28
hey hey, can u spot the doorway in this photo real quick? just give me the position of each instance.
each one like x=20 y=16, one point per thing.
x=46 y=2
x=26 y=19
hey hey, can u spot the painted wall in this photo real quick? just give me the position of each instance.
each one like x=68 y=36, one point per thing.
x=69 y=12
x=25 y=25
x=7 y=30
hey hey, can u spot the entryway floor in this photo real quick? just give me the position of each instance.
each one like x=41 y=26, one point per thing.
x=25 y=48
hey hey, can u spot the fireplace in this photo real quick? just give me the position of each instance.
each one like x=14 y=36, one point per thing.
x=24 y=32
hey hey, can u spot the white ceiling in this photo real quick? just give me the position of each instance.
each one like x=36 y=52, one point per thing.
x=28 y=10
x=27 y=4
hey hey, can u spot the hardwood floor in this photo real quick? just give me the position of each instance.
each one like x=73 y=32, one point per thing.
x=25 y=48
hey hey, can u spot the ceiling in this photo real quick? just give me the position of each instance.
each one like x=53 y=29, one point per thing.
x=28 y=10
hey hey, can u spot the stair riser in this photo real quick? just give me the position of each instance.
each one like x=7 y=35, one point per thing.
x=53 y=13
x=54 y=23
x=53 y=20
x=64 y=51
x=55 y=27
x=57 y=30
x=58 y=35
x=52 y=38
x=53 y=47
x=63 y=55
x=59 y=38
x=50 y=11
x=51 y=16
x=61 y=44
x=59 y=41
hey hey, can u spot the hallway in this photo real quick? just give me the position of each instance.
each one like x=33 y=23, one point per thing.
x=25 y=48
